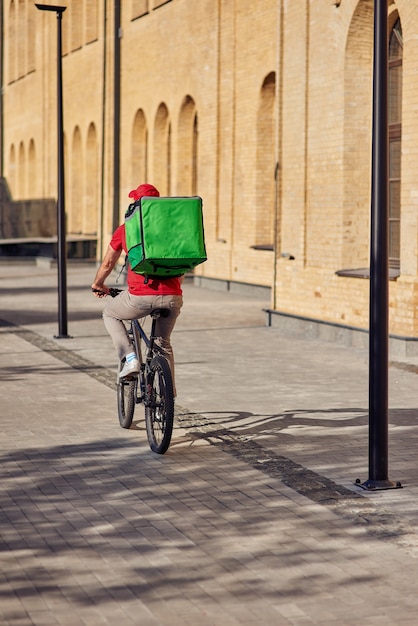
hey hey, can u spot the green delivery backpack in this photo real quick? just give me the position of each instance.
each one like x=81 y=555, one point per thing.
x=164 y=235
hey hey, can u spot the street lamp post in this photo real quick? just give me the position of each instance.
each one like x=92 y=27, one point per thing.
x=379 y=287
x=62 y=252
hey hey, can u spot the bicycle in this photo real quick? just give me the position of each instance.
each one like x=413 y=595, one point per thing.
x=153 y=386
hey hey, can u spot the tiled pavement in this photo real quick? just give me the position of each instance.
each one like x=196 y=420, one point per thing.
x=251 y=518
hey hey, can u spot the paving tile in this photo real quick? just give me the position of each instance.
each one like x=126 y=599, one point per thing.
x=235 y=525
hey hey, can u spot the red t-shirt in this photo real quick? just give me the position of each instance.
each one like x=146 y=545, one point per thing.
x=136 y=284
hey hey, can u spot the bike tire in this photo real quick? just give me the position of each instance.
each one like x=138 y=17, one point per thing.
x=126 y=394
x=159 y=405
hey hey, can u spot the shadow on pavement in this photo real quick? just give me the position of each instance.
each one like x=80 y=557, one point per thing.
x=112 y=502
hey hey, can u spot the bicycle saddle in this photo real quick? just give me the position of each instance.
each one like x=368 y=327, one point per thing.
x=160 y=313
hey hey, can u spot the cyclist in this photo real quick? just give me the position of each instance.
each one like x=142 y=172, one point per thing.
x=138 y=300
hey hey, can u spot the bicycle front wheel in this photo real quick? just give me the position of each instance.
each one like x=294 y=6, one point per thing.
x=126 y=392
x=159 y=405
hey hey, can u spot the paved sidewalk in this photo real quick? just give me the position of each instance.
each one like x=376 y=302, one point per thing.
x=251 y=518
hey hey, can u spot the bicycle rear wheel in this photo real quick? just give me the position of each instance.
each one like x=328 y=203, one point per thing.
x=126 y=394
x=159 y=406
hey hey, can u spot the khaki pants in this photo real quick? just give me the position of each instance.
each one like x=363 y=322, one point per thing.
x=128 y=307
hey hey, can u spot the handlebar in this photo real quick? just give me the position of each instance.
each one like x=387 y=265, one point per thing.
x=113 y=291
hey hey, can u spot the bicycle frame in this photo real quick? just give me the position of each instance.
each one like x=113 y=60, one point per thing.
x=137 y=329
x=153 y=387
x=149 y=341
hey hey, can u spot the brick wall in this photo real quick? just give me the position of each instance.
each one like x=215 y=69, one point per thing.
x=214 y=94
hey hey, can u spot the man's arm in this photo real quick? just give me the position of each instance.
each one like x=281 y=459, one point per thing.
x=109 y=261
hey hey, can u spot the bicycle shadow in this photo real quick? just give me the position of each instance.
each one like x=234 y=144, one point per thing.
x=341 y=434
x=246 y=422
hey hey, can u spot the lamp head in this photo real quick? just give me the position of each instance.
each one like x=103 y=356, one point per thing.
x=49 y=7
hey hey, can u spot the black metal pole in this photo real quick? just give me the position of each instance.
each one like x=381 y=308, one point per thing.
x=116 y=115
x=1 y=96
x=379 y=268
x=61 y=245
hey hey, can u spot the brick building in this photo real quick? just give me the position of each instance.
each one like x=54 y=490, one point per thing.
x=262 y=107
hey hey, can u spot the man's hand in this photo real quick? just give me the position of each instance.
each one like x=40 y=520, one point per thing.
x=100 y=291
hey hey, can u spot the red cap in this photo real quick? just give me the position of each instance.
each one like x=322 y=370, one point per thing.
x=144 y=190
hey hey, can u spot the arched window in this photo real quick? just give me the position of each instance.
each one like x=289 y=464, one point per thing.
x=187 y=148
x=32 y=178
x=11 y=44
x=21 y=38
x=31 y=39
x=22 y=171
x=139 y=8
x=76 y=205
x=139 y=158
x=12 y=170
x=66 y=33
x=358 y=78
x=91 y=195
x=76 y=24
x=395 y=134
x=194 y=189
x=162 y=151
x=91 y=21
x=265 y=163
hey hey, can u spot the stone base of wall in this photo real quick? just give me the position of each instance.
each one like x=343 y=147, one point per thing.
x=337 y=333
x=310 y=328
x=231 y=286
x=26 y=218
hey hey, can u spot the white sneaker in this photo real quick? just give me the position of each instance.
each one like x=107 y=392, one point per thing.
x=130 y=369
